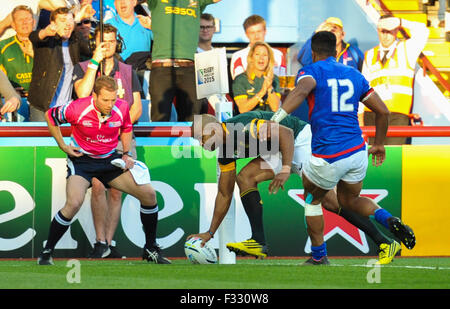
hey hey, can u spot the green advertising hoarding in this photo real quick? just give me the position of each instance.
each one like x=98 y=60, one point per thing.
x=32 y=190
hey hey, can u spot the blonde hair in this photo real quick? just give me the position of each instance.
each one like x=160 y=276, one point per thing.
x=251 y=65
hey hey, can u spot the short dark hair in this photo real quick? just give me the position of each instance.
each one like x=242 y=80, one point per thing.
x=208 y=17
x=104 y=82
x=324 y=43
x=60 y=11
x=107 y=28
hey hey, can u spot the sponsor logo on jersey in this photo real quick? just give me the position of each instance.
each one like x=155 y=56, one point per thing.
x=87 y=123
x=180 y=11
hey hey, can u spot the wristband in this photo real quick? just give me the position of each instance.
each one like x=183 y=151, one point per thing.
x=94 y=62
x=279 y=115
x=211 y=233
x=92 y=66
x=126 y=153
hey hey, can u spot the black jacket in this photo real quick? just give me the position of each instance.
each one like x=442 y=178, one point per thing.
x=48 y=66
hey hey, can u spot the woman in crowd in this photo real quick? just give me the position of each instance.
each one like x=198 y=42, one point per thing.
x=258 y=88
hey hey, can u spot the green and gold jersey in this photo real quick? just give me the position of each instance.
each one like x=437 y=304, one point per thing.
x=16 y=65
x=176 y=27
x=245 y=88
x=243 y=136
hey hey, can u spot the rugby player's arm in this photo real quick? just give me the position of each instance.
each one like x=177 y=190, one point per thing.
x=296 y=97
x=55 y=131
x=286 y=143
x=125 y=138
x=376 y=104
x=224 y=196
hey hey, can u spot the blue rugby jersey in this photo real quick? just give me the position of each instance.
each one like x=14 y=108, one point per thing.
x=333 y=108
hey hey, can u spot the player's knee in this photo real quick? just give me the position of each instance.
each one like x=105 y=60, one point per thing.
x=115 y=195
x=245 y=180
x=148 y=196
x=97 y=187
x=330 y=204
x=73 y=205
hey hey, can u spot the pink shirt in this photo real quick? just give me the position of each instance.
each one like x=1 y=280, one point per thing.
x=96 y=135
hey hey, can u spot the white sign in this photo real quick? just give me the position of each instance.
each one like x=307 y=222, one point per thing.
x=211 y=73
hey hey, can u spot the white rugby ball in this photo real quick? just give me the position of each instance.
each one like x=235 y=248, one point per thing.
x=197 y=254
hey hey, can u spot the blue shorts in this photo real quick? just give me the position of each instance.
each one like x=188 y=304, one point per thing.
x=88 y=167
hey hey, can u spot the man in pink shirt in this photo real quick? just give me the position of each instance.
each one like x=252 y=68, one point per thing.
x=97 y=124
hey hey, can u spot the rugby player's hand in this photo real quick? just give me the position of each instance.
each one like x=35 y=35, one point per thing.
x=204 y=236
x=378 y=154
x=129 y=162
x=278 y=182
x=72 y=151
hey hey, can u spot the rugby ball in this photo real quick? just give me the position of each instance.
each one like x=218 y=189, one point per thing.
x=197 y=254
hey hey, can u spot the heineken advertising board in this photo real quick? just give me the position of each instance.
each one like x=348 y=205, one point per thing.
x=32 y=190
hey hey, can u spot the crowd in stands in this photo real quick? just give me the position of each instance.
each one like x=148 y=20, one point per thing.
x=58 y=60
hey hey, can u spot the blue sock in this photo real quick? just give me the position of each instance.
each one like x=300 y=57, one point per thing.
x=319 y=252
x=381 y=215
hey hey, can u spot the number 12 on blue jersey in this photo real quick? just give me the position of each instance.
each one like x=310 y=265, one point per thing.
x=339 y=99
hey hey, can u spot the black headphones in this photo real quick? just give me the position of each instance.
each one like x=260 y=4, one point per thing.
x=120 y=46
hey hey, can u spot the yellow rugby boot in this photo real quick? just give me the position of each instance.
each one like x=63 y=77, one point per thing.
x=388 y=252
x=248 y=247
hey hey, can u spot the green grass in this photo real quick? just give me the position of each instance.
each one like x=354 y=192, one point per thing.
x=403 y=273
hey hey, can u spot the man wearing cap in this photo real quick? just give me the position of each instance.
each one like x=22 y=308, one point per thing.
x=345 y=53
x=389 y=67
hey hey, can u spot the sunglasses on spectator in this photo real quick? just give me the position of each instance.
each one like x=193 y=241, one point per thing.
x=206 y=27
x=85 y=22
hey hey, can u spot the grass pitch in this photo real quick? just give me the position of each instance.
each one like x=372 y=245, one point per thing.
x=343 y=273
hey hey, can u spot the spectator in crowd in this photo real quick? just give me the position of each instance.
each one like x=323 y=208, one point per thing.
x=57 y=44
x=258 y=88
x=345 y=52
x=207 y=29
x=255 y=30
x=35 y=5
x=12 y=99
x=16 y=52
x=175 y=43
x=16 y=56
x=84 y=28
x=106 y=211
x=135 y=32
x=93 y=156
x=389 y=67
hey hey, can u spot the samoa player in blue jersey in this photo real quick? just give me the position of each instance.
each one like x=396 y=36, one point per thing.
x=339 y=152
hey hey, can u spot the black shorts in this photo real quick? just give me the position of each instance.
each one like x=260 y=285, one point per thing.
x=88 y=167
